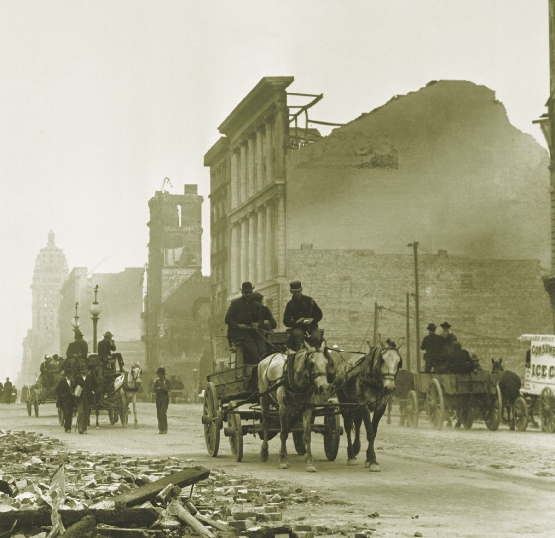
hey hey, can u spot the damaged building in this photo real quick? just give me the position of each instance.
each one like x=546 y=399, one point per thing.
x=442 y=166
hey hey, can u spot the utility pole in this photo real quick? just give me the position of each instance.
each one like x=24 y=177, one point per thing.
x=408 y=331
x=376 y=313
x=414 y=246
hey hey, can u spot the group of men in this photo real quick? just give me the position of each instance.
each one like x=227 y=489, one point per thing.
x=443 y=353
x=76 y=386
x=6 y=391
x=249 y=321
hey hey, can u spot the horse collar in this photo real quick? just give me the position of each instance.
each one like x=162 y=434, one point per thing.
x=290 y=384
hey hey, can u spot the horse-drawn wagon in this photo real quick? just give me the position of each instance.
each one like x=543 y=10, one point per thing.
x=42 y=392
x=231 y=398
x=466 y=396
x=538 y=395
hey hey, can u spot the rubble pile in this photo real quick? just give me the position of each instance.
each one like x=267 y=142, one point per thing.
x=219 y=506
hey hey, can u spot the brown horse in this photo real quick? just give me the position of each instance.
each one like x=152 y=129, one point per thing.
x=303 y=380
x=364 y=384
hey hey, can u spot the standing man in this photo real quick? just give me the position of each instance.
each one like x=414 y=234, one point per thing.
x=8 y=391
x=448 y=340
x=162 y=389
x=64 y=391
x=1 y=391
x=301 y=315
x=432 y=347
x=85 y=398
x=242 y=322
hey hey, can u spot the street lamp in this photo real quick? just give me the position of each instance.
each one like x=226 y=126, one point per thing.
x=95 y=310
x=414 y=245
x=76 y=323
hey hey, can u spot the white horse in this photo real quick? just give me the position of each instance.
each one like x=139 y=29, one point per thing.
x=131 y=384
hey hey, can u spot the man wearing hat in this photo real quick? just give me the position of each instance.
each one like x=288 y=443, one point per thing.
x=448 y=340
x=242 y=324
x=76 y=354
x=107 y=345
x=302 y=316
x=162 y=389
x=432 y=345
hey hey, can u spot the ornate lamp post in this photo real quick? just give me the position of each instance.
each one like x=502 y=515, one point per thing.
x=95 y=310
x=76 y=323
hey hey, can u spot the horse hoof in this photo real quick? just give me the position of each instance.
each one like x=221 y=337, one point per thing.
x=374 y=468
x=264 y=456
x=310 y=469
x=283 y=465
x=352 y=461
x=98 y=427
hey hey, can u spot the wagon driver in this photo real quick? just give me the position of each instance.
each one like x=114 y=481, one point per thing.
x=242 y=322
x=432 y=345
x=301 y=315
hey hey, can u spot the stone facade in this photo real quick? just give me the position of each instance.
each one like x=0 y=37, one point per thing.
x=50 y=272
x=489 y=303
x=176 y=305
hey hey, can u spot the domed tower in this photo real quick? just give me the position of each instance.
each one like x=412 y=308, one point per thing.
x=51 y=271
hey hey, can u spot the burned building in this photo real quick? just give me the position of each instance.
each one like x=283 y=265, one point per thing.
x=442 y=166
x=176 y=304
x=120 y=296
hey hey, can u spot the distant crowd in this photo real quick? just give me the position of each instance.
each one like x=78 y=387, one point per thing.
x=8 y=392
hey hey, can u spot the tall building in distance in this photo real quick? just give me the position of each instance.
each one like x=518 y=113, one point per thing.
x=51 y=271
x=177 y=300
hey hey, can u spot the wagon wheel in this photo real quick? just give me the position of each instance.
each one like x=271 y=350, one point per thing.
x=547 y=410
x=60 y=416
x=113 y=415
x=435 y=408
x=467 y=417
x=332 y=434
x=492 y=415
x=236 y=430
x=299 y=443
x=411 y=410
x=210 y=419
x=29 y=407
x=520 y=413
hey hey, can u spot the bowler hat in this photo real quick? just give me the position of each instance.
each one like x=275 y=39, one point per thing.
x=295 y=285
x=161 y=370
x=257 y=296
x=78 y=333
x=108 y=333
x=431 y=327
x=246 y=286
x=445 y=325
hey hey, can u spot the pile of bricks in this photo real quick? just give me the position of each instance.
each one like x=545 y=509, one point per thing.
x=227 y=506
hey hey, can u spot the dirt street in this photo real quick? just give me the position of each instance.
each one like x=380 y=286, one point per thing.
x=447 y=483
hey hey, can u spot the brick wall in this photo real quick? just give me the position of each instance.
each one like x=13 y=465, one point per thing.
x=489 y=303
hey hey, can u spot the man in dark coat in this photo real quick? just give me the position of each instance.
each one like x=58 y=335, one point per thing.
x=107 y=345
x=242 y=323
x=85 y=398
x=448 y=340
x=1 y=391
x=8 y=387
x=432 y=345
x=64 y=391
x=302 y=316
x=76 y=354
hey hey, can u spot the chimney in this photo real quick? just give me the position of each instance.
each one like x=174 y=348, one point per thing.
x=191 y=189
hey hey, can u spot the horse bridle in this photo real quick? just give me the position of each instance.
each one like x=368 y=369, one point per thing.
x=291 y=386
x=368 y=380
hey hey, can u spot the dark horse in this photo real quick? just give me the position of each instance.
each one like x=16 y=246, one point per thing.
x=509 y=384
x=303 y=379
x=365 y=384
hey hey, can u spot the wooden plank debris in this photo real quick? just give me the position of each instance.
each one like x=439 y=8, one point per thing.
x=148 y=492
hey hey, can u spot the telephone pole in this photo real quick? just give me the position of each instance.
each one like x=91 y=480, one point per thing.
x=408 y=331
x=414 y=246
x=376 y=313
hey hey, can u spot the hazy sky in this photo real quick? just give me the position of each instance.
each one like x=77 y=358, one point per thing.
x=100 y=101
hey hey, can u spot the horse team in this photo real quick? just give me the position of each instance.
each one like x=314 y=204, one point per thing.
x=294 y=384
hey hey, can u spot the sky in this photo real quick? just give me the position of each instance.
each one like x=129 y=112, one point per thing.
x=100 y=101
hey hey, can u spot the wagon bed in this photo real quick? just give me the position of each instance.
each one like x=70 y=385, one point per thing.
x=466 y=395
